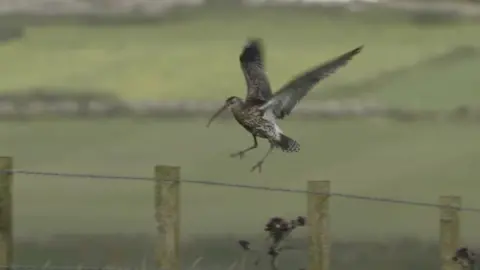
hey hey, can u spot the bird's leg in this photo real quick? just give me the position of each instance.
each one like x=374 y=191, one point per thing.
x=241 y=154
x=260 y=163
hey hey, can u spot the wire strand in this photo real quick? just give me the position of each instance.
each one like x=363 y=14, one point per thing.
x=243 y=186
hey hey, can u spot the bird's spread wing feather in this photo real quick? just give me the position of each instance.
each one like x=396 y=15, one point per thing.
x=252 y=62
x=285 y=99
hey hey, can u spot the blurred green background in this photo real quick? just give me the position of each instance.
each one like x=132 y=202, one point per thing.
x=194 y=54
x=410 y=61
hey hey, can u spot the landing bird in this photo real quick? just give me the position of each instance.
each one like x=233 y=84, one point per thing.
x=260 y=109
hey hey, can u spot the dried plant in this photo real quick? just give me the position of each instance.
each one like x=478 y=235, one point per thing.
x=465 y=257
x=278 y=230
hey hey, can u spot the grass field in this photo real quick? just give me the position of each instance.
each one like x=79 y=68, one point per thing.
x=195 y=55
x=417 y=161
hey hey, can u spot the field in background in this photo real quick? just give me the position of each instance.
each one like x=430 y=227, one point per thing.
x=194 y=55
x=416 y=161
x=408 y=62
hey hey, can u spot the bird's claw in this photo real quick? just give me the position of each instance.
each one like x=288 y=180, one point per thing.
x=240 y=154
x=257 y=166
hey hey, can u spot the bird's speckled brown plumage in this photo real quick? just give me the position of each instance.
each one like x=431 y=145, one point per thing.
x=260 y=109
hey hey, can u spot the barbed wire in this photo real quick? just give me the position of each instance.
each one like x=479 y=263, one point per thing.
x=243 y=186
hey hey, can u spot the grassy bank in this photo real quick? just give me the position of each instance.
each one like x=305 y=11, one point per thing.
x=417 y=161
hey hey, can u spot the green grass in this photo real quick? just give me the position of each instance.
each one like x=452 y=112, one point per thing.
x=415 y=161
x=442 y=82
x=194 y=55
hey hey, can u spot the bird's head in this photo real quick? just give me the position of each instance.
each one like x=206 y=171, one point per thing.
x=233 y=101
x=230 y=103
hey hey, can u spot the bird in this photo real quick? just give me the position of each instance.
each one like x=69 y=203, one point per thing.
x=260 y=109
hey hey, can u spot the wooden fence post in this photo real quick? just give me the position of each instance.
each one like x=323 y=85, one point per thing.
x=317 y=220
x=6 y=219
x=167 y=215
x=449 y=230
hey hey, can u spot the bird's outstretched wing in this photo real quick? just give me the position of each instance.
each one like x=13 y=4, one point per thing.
x=252 y=62
x=285 y=99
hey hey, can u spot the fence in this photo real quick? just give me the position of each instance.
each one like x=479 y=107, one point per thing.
x=167 y=190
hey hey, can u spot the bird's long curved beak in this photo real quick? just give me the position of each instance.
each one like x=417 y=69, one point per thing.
x=217 y=114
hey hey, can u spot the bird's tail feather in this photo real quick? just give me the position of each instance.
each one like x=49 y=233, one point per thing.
x=288 y=144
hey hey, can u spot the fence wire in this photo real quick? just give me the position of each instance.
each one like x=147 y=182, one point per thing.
x=234 y=185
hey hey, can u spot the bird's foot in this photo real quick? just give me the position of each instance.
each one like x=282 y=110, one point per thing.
x=240 y=154
x=257 y=166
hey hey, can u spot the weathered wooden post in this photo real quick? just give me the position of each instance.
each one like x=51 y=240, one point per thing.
x=449 y=230
x=6 y=213
x=318 y=222
x=167 y=215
